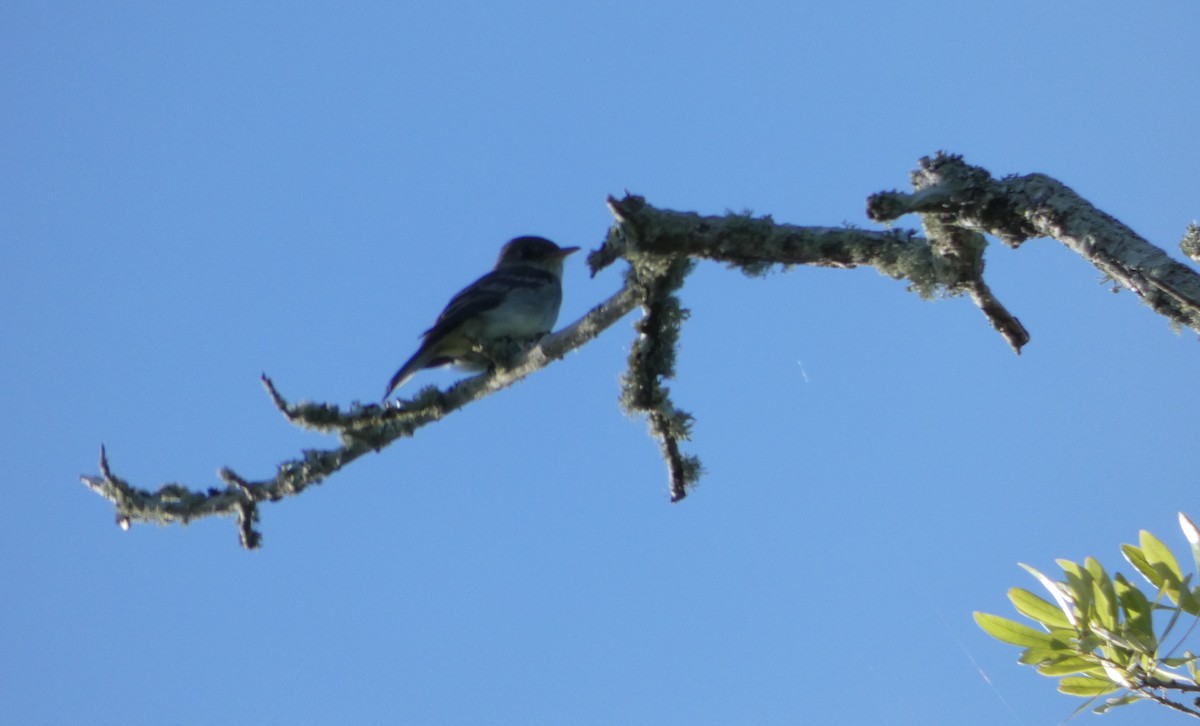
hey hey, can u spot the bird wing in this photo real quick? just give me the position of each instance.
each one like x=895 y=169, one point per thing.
x=472 y=301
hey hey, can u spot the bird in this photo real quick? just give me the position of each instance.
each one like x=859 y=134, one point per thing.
x=518 y=299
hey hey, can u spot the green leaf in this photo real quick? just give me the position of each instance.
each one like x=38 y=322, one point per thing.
x=1160 y=556
x=1137 y=558
x=1116 y=674
x=1061 y=645
x=1071 y=567
x=1056 y=590
x=1103 y=594
x=1040 y=656
x=1157 y=552
x=1125 y=700
x=1036 y=608
x=1082 y=707
x=1086 y=687
x=1176 y=662
x=1166 y=675
x=1071 y=664
x=1115 y=646
x=1139 y=615
x=1175 y=613
x=1089 y=642
x=1193 y=537
x=1079 y=585
x=1189 y=601
x=1012 y=632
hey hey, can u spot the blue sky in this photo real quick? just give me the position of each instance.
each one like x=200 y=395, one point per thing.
x=195 y=195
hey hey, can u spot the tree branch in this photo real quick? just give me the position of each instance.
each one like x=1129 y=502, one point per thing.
x=951 y=192
x=652 y=356
x=958 y=205
x=362 y=429
x=1164 y=701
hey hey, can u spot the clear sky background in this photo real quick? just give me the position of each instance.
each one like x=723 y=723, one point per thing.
x=192 y=195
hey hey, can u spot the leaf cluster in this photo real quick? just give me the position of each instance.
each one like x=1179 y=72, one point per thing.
x=1097 y=633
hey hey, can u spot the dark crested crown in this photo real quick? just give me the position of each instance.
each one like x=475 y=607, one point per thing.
x=531 y=249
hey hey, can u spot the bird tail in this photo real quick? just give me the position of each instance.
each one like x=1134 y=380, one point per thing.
x=408 y=370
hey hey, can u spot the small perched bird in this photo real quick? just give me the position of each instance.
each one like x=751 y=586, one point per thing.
x=519 y=299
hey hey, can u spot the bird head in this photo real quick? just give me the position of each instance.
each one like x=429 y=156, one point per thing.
x=537 y=251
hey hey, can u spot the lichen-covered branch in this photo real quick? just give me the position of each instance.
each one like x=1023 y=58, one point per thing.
x=949 y=262
x=652 y=355
x=959 y=205
x=756 y=244
x=362 y=429
x=953 y=193
x=1190 y=244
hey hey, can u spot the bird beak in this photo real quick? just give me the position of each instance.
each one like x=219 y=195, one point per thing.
x=563 y=252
